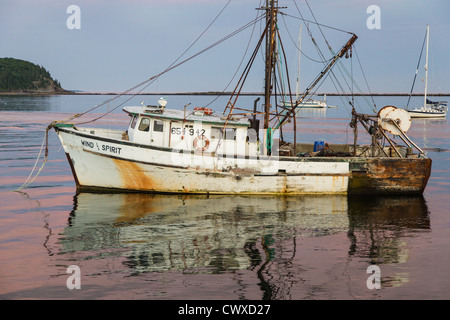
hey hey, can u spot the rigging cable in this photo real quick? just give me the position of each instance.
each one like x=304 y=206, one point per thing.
x=296 y=46
x=29 y=179
x=151 y=79
x=178 y=64
x=364 y=76
x=333 y=77
x=329 y=47
x=242 y=60
x=148 y=82
x=417 y=70
x=341 y=64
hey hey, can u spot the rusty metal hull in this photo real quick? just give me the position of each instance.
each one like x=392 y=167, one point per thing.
x=389 y=175
x=112 y=164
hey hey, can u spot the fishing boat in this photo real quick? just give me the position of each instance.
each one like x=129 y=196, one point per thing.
x=430 y=109
x=199 y=151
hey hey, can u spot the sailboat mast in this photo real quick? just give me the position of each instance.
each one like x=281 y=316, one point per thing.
x=297 y=89
x=271 y=6
x=426 y=69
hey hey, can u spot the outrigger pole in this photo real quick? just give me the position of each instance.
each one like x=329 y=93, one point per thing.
x=341 y=53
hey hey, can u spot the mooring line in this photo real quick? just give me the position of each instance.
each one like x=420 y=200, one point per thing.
x=28 y=181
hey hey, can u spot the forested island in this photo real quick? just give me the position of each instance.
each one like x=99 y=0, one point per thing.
x=23 y=77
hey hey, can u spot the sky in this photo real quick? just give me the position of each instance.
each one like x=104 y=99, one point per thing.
x=120 y=43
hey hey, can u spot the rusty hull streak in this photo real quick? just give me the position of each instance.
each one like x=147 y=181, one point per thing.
x=390 y=176
x=367 y=176
x=133 y=177
x=136 y=206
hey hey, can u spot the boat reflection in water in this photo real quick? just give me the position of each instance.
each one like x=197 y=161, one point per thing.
x=377 y=226
x=182 y=232
x=221 y=234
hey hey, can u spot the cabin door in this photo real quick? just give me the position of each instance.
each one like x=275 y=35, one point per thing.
x=188 y=135
x=158 y=133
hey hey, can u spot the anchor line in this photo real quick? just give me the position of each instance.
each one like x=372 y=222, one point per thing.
x=29 y=180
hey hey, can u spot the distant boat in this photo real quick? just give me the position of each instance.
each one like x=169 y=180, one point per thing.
x=430 y=109
x=309 y=103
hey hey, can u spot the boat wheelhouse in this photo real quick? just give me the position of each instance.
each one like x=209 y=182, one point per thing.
x=199 y=130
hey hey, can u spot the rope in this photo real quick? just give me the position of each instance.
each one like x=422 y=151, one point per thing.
x=149 y=81
x=240 y=64
x=172 y=66
x=29 y=180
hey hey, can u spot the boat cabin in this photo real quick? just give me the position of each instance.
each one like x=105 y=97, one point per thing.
x=198 y=130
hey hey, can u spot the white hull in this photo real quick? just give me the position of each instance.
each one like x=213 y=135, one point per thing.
x=419 y=113
x=100 y=162
x=106 y=163
x=311 y=104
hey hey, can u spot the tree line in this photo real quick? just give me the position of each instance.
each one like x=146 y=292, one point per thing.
x=20 y=75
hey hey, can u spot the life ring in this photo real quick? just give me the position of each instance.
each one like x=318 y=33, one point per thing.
x=206 y=111
x=205 y=143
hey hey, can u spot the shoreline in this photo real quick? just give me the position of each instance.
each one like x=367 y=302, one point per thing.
x=208 y=93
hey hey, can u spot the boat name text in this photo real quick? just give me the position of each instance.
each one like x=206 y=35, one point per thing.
x=191 y=131
x=102 y=147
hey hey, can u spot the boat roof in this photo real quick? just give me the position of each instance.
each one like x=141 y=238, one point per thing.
x=188 y=115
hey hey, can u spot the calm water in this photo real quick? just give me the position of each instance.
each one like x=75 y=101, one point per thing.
x=134 y=246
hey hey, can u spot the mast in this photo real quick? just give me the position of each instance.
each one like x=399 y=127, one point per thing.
x=271 y=20
x=426 y=69
x=297 y=89
x=270 y=57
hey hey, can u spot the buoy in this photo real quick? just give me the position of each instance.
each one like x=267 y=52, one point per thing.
x=204 y=143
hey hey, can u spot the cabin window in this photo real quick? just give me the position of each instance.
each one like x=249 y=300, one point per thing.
x=188 y=130
x=145 y=124
x=133 y=122
x=230 y=134
x=252 y=136
x=158 y=126
x=216 y=133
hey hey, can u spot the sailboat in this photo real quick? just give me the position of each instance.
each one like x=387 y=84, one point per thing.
x=199 y=151
x=310 y=102
x=430 y=109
